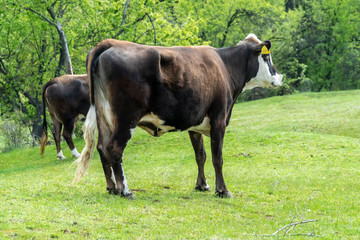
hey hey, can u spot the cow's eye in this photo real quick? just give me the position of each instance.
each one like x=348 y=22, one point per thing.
x=266 y=57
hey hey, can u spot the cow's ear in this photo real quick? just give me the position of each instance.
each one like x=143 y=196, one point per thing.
x=267 y=43
x=264 y=47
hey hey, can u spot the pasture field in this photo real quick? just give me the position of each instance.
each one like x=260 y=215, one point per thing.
x=286 y=159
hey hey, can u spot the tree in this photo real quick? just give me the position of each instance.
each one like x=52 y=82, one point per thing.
x=37 y=45
x=65 y=59
x=328 y=43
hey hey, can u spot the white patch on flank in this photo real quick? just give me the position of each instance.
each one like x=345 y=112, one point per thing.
x=263 y=77
x=75 y=153
x=132 y=130
x=60 y=155
x=203 y=128
x=126 y=190
x=157 y=122
x=79 y=116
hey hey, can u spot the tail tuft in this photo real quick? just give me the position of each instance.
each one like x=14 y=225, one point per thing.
x=43 y=143
x=89 y=136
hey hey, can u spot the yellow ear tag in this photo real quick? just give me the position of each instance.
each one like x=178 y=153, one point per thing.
x=265 y=50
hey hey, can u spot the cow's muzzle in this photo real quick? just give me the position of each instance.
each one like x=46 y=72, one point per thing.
x=277 y=80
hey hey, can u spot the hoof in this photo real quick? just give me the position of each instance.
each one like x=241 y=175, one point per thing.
x=75 y=153
x=128 y=196
x=226 y=194
x=60 y=156
x=202 y=188
x=112 y=191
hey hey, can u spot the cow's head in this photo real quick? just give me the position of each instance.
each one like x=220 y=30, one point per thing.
x=260 y=65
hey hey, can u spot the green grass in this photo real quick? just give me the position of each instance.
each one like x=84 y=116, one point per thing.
x=284 y=157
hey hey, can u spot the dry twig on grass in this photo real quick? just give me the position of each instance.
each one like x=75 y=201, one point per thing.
x=290 y=226
x=293 y=224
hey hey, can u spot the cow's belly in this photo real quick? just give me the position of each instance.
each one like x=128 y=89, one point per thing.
x=203 y=128
x=156 y=126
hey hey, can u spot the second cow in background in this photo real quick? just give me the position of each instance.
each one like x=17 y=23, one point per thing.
x=67 y=99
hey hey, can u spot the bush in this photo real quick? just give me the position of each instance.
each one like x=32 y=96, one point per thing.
x=260 y=93
x=14 y=135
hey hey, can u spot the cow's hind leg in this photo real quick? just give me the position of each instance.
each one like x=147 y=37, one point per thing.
x=56 y=131
x=217 y=137
x=67 y=134
x=115 y=147
x=103 y=139
x=200 y=156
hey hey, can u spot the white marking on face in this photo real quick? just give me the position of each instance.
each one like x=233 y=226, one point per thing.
x=126 y=190
x=203 y=128
x=263 y=77
x=60 y=155
x=75 y=153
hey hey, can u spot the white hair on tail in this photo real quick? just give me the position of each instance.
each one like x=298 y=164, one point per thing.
x=89 y=129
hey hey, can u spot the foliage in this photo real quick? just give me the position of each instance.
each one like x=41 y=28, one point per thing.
x=13 y=134
x=328 y=43
x=284 y=157
x=315 y=43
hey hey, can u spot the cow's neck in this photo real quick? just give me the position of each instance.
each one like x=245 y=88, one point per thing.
x=235 y=60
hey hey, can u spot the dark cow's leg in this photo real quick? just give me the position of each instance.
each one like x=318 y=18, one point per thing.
x=56 y=131
x=217 y=137
x=104 y=135
x=115 y=147
x=67 y=134
x=200 y=156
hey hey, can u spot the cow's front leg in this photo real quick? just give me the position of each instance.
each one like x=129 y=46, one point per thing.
x=200 y=156
x=217 y=137
x=116 y=148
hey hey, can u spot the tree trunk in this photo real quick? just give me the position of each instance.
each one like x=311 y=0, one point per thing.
x=65 y=59
x=289 y=5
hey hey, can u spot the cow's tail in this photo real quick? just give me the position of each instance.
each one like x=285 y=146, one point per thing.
x=44 y=132
x=90 y=124
x=89 y=129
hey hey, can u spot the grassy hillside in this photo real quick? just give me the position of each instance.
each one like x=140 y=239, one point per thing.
x=286 y=159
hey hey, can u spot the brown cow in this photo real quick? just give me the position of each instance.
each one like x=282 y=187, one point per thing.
x=67 y=99
x=164 y=89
